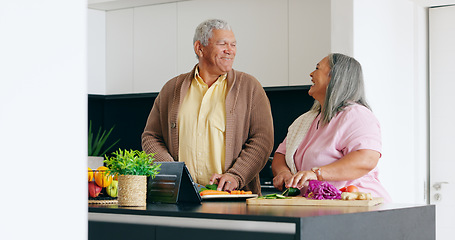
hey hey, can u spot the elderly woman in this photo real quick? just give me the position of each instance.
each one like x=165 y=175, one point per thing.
x=339 y=139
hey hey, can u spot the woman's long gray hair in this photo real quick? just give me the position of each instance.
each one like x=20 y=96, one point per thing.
x=204 y=30
x=345 y=88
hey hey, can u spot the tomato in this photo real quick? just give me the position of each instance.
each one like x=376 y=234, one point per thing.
x=350 y=188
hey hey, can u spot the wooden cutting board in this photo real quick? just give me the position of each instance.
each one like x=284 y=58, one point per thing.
x=301 y=201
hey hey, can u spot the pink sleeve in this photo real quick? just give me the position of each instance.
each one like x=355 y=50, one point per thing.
x=359 y=129
x=282 y=148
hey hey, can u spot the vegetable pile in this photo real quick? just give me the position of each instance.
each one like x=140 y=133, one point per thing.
x=356 y=196
x=213 y=192
x=350 y=188
x=322 y=190
x=211 y=189
x=286 y=194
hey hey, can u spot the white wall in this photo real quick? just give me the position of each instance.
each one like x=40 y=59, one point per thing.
x=389 y=42
x=43 y=119
x=342 y=26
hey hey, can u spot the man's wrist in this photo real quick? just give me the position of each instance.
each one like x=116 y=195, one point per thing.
x=236 y=179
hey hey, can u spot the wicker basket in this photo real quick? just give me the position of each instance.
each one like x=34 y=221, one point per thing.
x=132 y=190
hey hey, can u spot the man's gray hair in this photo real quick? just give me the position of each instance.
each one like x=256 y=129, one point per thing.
x=345 y=88
x=205 y=30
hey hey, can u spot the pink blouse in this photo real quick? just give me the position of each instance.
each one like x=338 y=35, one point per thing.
x=353 y=129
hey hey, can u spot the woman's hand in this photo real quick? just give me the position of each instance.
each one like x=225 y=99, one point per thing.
x=280 y=170
x=299 y=179
x=281 y=179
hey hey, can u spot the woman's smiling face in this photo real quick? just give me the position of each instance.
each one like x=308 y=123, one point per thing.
x=321 y=79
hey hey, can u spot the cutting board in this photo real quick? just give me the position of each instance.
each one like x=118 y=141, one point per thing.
x=301 y=201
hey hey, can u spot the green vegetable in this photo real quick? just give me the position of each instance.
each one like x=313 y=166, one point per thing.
x=291 y=192
x=211 y=186
x=273 y=196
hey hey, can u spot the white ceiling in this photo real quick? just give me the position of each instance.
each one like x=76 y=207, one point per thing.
x=433 y=3
x=121 y=4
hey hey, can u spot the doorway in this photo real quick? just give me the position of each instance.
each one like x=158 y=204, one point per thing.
x=442 y=117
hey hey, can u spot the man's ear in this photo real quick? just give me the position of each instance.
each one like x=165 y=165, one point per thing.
x=198 y=48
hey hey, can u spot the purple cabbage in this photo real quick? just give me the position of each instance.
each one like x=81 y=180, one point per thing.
x=322 y=190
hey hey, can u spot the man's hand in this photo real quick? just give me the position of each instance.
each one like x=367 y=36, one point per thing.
x=225 y=182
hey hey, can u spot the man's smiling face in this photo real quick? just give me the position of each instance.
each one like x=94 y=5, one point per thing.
x=220 y=52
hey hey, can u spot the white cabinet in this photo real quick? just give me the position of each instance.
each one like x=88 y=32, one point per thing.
x=141 y=48
x=279 y=42
x=155 y=47
x=96 y=52
x=260 y=27
x=119 y=51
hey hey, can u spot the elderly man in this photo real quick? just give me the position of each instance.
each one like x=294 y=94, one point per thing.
x=215 y=119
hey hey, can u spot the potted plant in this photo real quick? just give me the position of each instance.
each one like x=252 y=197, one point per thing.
x=132 y=168
x=95 y=146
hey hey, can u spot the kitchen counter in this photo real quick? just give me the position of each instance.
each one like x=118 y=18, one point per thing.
x=237 y=220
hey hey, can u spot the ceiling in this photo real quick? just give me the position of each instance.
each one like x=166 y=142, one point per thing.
x=107 y=5
x=121 y=4
x=433 y=3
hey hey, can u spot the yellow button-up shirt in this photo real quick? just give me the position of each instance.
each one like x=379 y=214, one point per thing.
x=202 y=125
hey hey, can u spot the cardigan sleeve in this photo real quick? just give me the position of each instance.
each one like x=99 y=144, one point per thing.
x=257 y=147
x=155 y=136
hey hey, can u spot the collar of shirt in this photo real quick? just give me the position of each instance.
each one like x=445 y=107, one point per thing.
x=200 y=81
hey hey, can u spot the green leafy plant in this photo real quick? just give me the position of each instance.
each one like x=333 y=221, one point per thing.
x=96 y=143
x=132 y=162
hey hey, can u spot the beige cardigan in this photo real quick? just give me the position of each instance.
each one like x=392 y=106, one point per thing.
x=296 y=133
x=249 y=126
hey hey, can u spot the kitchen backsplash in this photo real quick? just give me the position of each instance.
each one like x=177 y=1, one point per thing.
x=129 y=112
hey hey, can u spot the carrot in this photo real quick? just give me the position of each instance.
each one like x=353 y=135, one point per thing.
x=241 y=192
x=213 y=192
